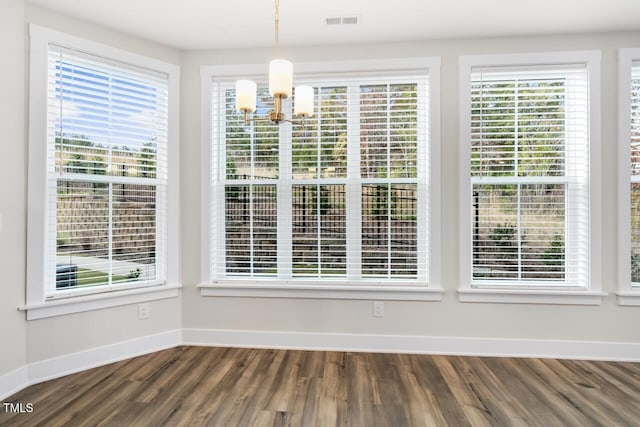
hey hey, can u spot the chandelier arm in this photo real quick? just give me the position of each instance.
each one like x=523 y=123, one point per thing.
x=301 y=121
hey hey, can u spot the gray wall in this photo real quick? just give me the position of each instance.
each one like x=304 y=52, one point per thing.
x=13 y=183
x=448 y=318
x=26 y=342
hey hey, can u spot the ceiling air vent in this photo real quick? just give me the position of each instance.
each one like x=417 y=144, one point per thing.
x=349 y=20
x=342 y=20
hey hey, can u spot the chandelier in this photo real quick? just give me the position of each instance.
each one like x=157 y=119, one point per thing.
x=280 y=84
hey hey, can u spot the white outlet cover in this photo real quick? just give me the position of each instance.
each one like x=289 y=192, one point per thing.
x=143 y=311
x=378 y=309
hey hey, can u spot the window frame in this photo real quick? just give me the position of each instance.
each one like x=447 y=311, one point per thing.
x=627 y=295
x=504 y=291
x=37 y=305
x=321 y=288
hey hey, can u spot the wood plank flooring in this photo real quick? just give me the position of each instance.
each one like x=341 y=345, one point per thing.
x=194 y=386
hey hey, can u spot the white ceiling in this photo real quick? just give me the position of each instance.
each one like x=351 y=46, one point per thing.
x=209 y=24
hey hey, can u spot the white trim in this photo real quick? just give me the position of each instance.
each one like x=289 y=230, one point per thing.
x=629 y=298
x=79 y=304
x=532 y=58
x=46 y=35
x=435 y=177
x=314 y=68
x=322 y=291
x=464 y=168
x=36 y=307
x=207 y=225
x=462 y=346
x=627 y=295
x=12 y=382
x=534 y=296
x=173 y=250
x=75 y=362
x=60 y=366
x=592 y=294
x=353 y=193
x=37 y=170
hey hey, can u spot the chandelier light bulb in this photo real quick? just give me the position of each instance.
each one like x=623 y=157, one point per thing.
x=303 y=101
x=246 y=95
x=280 y=78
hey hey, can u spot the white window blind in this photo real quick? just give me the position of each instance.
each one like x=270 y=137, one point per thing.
x=335 y=199
x=107 y=131
x=635 y=173
x=530 y=175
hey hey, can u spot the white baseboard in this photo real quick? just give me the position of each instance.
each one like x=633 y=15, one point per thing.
x=83 y=360
x=12 y=382
x=56 y=367
x=44 y=370
x=586 y=350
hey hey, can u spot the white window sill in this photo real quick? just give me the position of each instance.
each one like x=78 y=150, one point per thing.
x=531 y=296
x=315 y=289
x=60 y=307
x=630 y=298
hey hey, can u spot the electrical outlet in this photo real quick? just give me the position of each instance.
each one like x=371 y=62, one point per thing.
x=378 y=309
x=144 y=311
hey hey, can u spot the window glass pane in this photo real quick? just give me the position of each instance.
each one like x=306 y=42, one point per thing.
x=251 y=244
x=541 y=127
x=319 y=230
x=374 y=155
x=635 y=120
x=403 y=214
x=517 y=127
x=495 y=233
x=320 y=146
x=252 y=148
x=266 y=159
x=134 y=231
x=238 y=229
x=542 y=239
x=389 y=230
x=635 y=232
x=492 y=128
x=635 y=172
x=403 y=130
x=82 y=234
x=265 y=241
x=388 y=130
x=237 y=139
x=83 y=229
x=104 y=118
x=519 y=231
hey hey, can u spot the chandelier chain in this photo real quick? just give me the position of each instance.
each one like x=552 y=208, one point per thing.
x=276 y=23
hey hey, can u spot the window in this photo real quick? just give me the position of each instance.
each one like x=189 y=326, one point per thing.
x=528 y=135
x=103 y=143
x=339 y=201
x=629 y=134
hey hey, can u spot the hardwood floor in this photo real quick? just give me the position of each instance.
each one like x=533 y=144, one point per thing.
x=192 y=386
